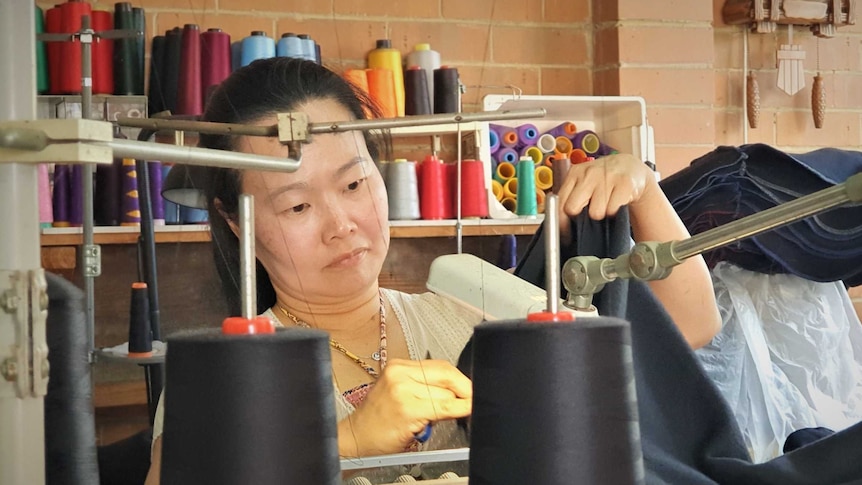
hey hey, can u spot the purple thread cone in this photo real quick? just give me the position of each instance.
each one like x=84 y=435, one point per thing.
x=506 y=155
x=155 y=175
x=60 y=197
x=587 y=141
x=131 y=215
x=495 y=140
x=567 y=129
x=528 y=134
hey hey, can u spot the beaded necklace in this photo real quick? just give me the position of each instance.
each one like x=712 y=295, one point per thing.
x=379 y=356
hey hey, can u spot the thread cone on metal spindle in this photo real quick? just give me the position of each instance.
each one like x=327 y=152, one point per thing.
x=752 y=91
x=818 y=101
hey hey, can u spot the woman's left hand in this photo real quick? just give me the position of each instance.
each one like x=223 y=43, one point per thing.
x=605 y=185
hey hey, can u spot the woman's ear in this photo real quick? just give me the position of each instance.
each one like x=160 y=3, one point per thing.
x=227 y=217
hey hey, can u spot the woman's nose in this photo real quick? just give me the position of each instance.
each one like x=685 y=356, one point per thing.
x=340 y=222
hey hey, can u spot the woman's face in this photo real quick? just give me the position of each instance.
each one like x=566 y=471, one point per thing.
x=322 y=231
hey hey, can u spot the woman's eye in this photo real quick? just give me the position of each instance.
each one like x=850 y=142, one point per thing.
x=298 y=209
x=355 y=185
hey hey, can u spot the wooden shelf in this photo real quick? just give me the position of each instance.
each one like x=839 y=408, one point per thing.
x=200 y=232
x=73 y=236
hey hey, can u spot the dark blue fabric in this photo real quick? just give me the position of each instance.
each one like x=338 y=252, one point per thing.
x=730 y=183
x=688 y=434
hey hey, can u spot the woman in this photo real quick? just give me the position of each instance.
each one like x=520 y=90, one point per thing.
x=322 y=236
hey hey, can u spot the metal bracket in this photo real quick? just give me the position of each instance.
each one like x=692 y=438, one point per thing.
x=92 y=260
x=27 y=302
x=292 y=127
x=56 y=141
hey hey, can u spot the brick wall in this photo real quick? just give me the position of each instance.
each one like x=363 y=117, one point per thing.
x=578 y=47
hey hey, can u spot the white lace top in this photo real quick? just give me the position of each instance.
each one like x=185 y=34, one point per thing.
x=432 y=326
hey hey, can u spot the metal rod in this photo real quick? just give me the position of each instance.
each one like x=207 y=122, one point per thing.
x=552 y=249
x=422 y=120
x=200 y=156
x=333 y=127
x=22 y=434
x=86 y=39
x=763 y=221
x=436 y=456
x=248 y=285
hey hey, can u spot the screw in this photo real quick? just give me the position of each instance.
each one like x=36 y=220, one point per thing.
x=9 y=369
x=9 y=301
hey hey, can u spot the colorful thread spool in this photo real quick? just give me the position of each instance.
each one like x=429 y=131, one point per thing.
x=534 y=153
x=508 y=135
x=125 y=55
x=567 y=129
x=510 y=188
x=560 y=168
x=547 y=143
x=215 y=60
x=578 y=156
x=256 y=46
x=103 y=54
x=235 y=55
x=385 y=57
x=61 y=194
x=171 y=68
x=474 y=196
x=42 y=83
x=428 y=59
x=509 y=203
x=446 y=90
x=403 y=190
x=358 y=78
x=309 y=52
x=416 y=101
x=70 y=52
x=544 y=177
x=140 y=338
x=131 y=209
x=528 y=134
x=154 y=170
x=435 y=198
x=505 y=171
x=289 y=46
x=497 y=190
x=189 y=94
x=506 y=155
x=587 y=141
x=526 y=187
x=172 y=210
x=494 y=140
x=54 y=25
x=381 y=87
x=564 y=145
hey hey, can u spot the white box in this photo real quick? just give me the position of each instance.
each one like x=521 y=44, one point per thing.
x=619 y=121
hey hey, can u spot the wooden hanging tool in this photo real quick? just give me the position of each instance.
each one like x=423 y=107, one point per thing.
x=752 y=101
x=791 y=75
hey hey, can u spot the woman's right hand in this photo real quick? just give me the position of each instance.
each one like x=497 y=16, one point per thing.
x=407 y=396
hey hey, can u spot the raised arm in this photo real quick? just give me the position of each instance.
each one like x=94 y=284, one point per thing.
x=611 y=182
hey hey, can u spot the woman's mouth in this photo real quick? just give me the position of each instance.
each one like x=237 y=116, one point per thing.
x=349 y=260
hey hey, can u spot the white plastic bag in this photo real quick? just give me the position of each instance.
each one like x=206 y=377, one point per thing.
x=789 y=355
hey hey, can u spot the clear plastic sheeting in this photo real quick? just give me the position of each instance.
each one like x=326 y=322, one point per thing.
x=789 y=355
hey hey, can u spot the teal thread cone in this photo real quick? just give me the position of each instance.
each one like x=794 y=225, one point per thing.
x=526 y=188
x=41 y=59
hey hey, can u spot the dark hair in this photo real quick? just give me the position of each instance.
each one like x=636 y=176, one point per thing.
x=261 y=89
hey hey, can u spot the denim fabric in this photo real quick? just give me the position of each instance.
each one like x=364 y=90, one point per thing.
x=730 y=183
